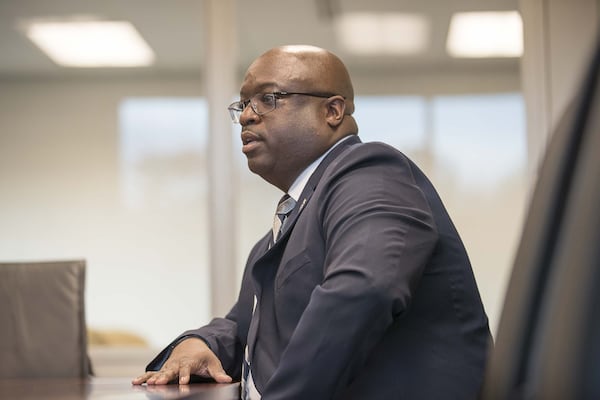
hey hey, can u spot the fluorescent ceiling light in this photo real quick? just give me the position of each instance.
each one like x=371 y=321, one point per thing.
x=91 y=43
x=485 y=34
x=389 y=33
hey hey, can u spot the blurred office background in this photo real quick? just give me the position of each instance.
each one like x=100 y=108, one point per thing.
x=136 y=168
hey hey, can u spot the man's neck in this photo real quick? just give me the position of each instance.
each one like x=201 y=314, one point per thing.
x=301 y=180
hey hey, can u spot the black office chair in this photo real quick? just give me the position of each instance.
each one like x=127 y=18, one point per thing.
x=548 y=340
x=42 y=320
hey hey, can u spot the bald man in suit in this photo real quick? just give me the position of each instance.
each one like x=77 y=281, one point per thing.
x=367 y=291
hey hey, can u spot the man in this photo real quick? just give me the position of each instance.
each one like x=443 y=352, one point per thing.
x=363 y=290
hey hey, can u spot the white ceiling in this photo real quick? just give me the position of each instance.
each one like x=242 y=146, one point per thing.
x=174 y=29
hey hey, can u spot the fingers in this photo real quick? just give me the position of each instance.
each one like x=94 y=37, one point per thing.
x=191 y=356
x=161 y=377
x=214 y=370
x=184 y=375
x=142 y=378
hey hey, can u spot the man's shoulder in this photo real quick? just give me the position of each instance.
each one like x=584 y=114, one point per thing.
x=379 y=151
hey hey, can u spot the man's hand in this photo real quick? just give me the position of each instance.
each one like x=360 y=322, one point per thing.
x=191 y=356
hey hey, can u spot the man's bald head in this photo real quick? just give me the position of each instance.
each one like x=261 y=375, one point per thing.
x=297 y=103
x=309 y=69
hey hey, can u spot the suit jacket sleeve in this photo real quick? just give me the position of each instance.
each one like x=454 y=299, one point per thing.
x=378 y=234
x=226 y=337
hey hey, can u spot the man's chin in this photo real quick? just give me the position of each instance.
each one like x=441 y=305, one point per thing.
x=265 y=171
x=255 y=166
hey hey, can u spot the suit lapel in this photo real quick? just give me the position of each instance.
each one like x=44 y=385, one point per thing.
x=311 y=185
x=271 y=257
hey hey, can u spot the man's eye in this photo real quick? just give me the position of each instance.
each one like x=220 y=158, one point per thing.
x=268 y=98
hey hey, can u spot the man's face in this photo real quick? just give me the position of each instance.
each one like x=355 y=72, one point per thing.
x=283 y=142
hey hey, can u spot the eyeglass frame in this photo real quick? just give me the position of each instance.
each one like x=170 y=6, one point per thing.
x=237 y=107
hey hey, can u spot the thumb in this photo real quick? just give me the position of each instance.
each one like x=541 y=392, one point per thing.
x=215 y=369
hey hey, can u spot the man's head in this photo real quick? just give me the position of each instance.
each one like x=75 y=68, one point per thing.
x=301 y=102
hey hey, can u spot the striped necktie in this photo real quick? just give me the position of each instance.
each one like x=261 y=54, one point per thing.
x=284 y=208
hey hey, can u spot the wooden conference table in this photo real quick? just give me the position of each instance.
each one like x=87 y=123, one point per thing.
x=111 y=389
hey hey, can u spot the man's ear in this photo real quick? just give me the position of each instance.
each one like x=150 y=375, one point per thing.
x=336 y=107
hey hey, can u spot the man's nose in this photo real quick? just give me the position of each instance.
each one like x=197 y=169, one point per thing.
x=248 y=116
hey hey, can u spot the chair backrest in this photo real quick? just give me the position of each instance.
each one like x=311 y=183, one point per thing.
x=42 y=320
x=547 y=344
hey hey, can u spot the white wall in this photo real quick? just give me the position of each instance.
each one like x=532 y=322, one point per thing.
x=60 y=198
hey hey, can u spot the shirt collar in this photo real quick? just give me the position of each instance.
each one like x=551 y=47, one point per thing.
x=298 y=186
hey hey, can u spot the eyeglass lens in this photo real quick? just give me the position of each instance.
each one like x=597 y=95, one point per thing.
x=261 y=103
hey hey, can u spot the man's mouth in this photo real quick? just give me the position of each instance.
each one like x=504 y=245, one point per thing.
x=249 y=141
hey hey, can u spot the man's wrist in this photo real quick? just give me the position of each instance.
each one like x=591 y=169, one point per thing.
x=185 y=337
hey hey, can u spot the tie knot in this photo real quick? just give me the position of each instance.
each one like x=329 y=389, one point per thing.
x=286 y=205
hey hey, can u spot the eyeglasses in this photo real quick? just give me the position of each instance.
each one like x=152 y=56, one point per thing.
x=263 y=103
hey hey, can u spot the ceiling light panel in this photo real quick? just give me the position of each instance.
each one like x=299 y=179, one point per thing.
x=91 y=43
x=383 y=34
x=485 y=34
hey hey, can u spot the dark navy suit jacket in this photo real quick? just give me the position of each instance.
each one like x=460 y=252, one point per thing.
x=368 y=294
